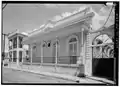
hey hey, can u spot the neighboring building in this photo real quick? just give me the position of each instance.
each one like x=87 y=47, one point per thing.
x=16 y=48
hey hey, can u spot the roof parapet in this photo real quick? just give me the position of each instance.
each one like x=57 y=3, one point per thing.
x=57 y=18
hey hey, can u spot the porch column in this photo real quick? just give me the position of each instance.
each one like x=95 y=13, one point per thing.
x=41 y=53
x=82 y=64
x=56 y=44
x=17 y=50
x=31 y=53
x=9 y=48
x=56 y=51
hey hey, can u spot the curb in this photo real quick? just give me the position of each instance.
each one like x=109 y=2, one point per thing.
x=102 y=80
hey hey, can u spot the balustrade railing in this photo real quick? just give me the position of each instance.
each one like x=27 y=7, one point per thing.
x=62 y=60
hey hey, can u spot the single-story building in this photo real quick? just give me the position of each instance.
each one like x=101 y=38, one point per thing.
x=65 y=42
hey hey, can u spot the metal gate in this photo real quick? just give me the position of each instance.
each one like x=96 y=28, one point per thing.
x=103 y=60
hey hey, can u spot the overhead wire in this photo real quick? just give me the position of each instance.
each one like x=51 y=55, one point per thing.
x=4 y=6
x=105 y=21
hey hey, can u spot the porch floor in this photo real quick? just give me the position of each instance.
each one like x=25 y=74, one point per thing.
x=47 y=68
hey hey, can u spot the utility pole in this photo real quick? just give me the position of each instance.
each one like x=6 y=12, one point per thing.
x=4 y=6
x=4 y=43
x=3 y=38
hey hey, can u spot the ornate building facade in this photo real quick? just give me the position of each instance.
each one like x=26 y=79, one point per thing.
x=16 y=48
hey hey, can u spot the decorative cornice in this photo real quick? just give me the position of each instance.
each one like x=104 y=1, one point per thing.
x=51 y=23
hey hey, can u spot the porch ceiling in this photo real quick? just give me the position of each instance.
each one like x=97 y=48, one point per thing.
x=58 y=30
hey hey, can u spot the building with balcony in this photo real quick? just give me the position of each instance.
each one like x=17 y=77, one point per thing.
x=17 y=50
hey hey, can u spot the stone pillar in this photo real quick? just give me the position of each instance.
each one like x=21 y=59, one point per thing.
x=83 y=47
x=88 y=66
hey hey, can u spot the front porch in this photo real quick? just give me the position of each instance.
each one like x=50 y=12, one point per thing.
x=45 y=67
x=62 y=45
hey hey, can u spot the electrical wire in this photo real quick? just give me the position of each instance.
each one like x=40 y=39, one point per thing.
x=108 y=16
x=105 y=21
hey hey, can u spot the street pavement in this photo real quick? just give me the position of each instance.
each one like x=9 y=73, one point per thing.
x=14 y=76
x=25 y=75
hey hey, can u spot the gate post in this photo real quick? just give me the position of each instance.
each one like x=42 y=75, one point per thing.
x=88 y=55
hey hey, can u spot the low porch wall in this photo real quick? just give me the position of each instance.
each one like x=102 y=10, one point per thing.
x=62 y=69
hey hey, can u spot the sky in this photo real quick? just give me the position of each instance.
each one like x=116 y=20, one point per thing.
x=27 y=17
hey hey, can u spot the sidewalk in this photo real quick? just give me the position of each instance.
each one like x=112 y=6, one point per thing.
x=49 y=71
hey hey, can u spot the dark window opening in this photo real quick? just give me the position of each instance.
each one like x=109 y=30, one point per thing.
x=49 y=44
x=20 y=42
x=15 y=42
x=73 y=40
